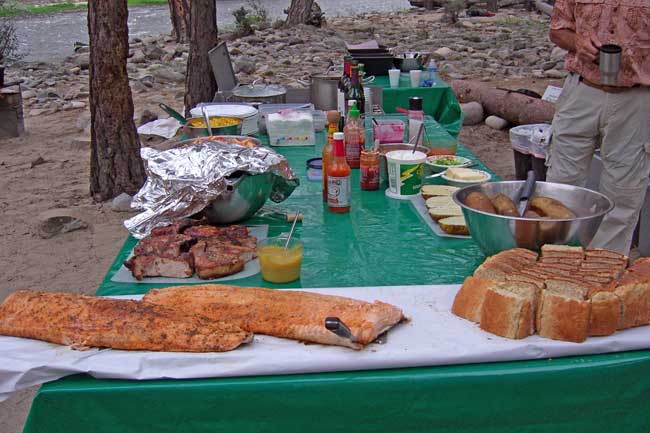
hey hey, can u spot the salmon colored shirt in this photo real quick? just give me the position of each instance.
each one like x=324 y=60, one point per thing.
x=622 y=22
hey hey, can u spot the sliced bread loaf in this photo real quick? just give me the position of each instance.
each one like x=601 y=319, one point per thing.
x=562 y=317
x=605 y=313
x=454 y=225
x=468 y=302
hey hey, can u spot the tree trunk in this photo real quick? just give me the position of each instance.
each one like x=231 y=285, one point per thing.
x=200 y=85
x=178 y=12
x=299 y=12
x=514 y=107
x=493 y=5
x=115 y=164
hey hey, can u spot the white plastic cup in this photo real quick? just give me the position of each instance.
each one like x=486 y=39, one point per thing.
x=393 y=77
x=416 y=77
x=404 y=173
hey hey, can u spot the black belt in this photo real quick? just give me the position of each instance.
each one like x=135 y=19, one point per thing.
x=608 y=89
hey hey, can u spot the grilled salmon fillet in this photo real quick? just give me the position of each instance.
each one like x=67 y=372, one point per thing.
x=289 y=314
x=88 y=321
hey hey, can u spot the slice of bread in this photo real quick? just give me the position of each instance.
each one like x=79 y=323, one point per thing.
x=454 y=225
x=494 y=271
x=571 y=261
x=605 y=313
x=435 y=190
x=518 y=276
x=562 y=317
x=468 y=302
x=438 y=213
x=570 y=287
x=561 y=249
x=507 y=313
x=635 y=304
x=600 y=252
x=439 y=201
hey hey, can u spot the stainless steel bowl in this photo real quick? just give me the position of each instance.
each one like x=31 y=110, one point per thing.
x=410 y=61
x=494 y=233
x=245 y=195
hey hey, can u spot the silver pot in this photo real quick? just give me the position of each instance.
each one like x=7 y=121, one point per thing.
x=245 y=195
x=411 y=61
x=324 y=91
x=494 y=233
x=259 y=93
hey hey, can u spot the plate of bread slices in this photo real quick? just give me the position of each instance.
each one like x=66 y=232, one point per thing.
x=436 y=207
x=567 y=293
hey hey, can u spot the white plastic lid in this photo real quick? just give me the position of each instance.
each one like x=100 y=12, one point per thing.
x=339 y=136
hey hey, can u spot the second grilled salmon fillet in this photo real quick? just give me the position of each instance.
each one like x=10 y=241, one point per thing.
x=88 y=321
x=290 y=314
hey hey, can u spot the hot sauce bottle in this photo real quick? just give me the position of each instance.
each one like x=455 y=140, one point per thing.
x=338 y=178
x=355 y=137
x=328 y=151
x=369 y=165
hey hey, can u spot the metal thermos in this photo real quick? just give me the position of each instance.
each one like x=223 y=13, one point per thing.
x=610 y=63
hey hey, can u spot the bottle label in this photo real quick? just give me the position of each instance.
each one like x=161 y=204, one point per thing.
x=353 y=146
x=338 y=191
x=340 y=102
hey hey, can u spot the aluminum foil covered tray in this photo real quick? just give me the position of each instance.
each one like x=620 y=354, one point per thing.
x=186 y=179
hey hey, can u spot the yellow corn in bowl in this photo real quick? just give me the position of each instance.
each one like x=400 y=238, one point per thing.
x=195 y=126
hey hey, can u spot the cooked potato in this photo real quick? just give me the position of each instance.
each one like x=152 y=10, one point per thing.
x=526 y=231
x=479 y=201
x=504 y=205
x=550 y=208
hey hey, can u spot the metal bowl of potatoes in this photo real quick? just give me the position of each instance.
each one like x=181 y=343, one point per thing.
x=495 y=232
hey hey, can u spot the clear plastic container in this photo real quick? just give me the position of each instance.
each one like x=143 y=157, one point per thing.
x=277 y=264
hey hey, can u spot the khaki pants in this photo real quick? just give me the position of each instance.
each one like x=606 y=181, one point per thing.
x=620 y=123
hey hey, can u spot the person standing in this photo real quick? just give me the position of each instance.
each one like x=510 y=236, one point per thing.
x=615 y=118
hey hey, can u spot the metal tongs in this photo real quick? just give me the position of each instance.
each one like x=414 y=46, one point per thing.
x=527 y=191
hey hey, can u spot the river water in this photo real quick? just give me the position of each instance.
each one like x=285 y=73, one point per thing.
x=51 y=37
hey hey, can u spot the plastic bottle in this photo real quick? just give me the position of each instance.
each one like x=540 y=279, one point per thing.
x=430 y=78
x=338 y=178
x=328 y=150
x=416 y=119
x=355 y=137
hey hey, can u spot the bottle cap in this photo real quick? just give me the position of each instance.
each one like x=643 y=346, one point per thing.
x=333 y=116
x=354 y=111
x=339 y=136
x=415 y=103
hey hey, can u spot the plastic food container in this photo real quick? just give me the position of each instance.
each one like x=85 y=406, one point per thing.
x=388 y=131
x=404 y=173
x=277 y=264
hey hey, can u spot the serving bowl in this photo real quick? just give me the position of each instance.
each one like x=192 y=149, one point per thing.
x=494 y=233
x=245 y=194
x=411 y=61
x=195 y=126
x=463 y=183
x=437 y=168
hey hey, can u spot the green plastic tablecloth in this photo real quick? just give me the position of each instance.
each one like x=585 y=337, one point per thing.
x=438 y=101
x=381 y=241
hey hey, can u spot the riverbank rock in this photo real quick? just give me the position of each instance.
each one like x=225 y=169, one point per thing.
x=495 y=122
x=122 y=203
x=473 y=112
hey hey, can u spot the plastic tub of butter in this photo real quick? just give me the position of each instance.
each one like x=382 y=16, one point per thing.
x=404 y=173
x=277 y=264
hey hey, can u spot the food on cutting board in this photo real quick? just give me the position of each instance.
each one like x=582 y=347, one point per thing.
x=443 y=210
x=568 y=294
x=479 y=201
x=86 y=321
x=180 y=249
x=297 y=315
x=504 y=205
x=465 y=174
x=429 y=191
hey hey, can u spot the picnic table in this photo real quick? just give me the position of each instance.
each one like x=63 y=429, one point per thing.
x=380 y=242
